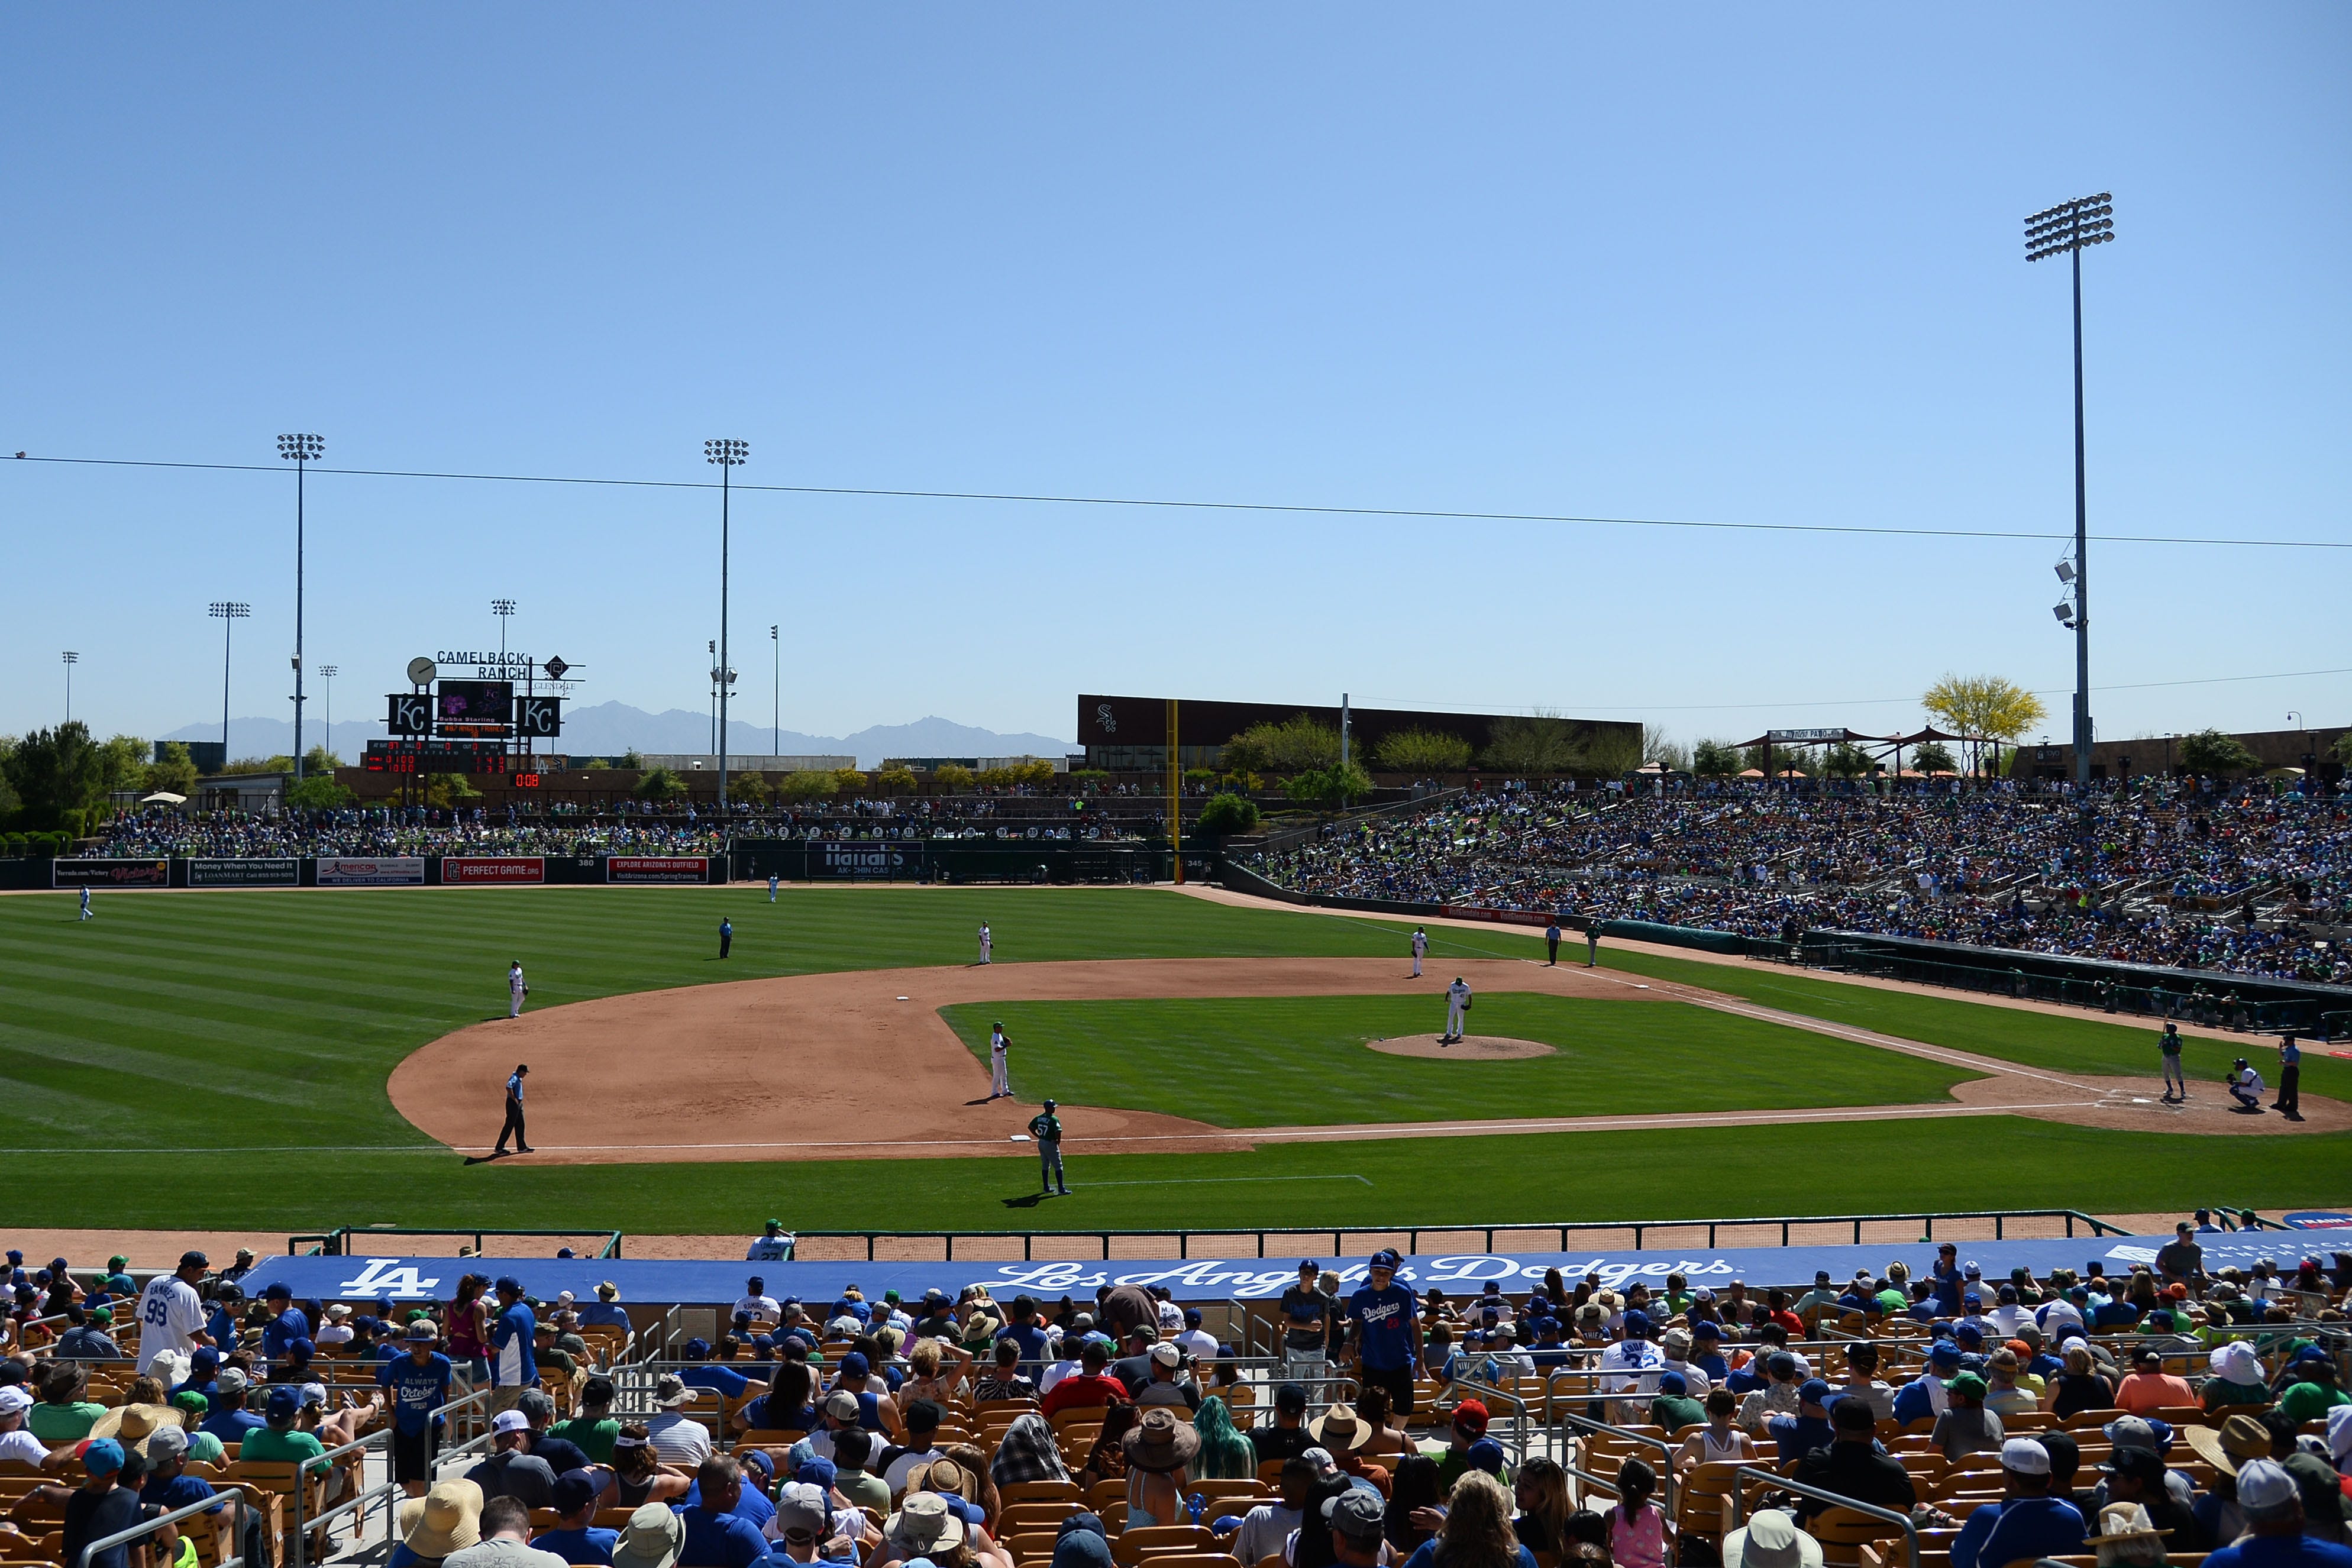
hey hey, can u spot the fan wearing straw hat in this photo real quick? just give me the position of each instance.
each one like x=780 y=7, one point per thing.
x=428 y=1529
x=1771 y=1539
x=1158 y=1450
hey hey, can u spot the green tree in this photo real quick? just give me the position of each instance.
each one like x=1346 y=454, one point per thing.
x=1932 y=757
x=630 y=759
x=2343 y=749
x=659 y=784
x=1664 y=749
x=2210 y=751
x=849 y=781
x=1544 y=743
x=1227 y=813
x=125 y=759
x=59 y=774
x=595 y=764
x=1294 y=745
x=1845 y=760
x=808 y=784
x=749 y=788
x=1331 y=789
x=447 y=789
x=319 y=759
x=952 y=776
x=320 y=792
x=1983 y=707
x=176 y=772
x=1612 y=754
x=895 y=778
x=1421 y=751
x=1715 y=760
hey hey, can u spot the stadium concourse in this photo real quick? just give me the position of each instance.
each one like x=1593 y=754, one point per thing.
x=2252 y=881
x=2083 y=1401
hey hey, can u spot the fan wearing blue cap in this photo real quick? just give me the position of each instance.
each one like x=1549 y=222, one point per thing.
x=1385 y=1330
x=1924 y=1398
x=1630 y=1369
x=514 y=1366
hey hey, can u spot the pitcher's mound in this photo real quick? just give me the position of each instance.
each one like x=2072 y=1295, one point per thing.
x=1478 y=1047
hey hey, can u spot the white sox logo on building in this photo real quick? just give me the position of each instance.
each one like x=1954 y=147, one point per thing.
x=1103 y=716
x=390 y=1277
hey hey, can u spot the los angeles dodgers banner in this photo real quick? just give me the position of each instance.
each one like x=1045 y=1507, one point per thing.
x=368 y=1277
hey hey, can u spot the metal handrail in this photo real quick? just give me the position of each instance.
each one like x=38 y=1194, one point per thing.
x=1489 y=1394
x=1803 y=1488
x=1999 y=1216
x=360 y=1499
x=148 y=1527
x=333 y=1243
x=1669 y=1486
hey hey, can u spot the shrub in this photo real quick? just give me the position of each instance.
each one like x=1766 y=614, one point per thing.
x=1296 y=744
x=1715 y=760
x=849 y=781
x=808 y=784
x=748 y=787
x=659 y=784
x=1227 y=813
x=1422 y=751
x=895 y=777
x=320 y=792
x=2211 y=751
x=954 y=776
x=1330 y=788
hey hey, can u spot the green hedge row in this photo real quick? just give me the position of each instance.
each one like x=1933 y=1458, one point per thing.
x=50 y=845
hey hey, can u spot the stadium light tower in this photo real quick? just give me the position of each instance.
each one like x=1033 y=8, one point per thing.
x=328 y=672
x=504 y=610
x=72 y=659
x=729 y=455
x=775 y=693
x=2069 y=229
x=228 y=612
x=301 y=451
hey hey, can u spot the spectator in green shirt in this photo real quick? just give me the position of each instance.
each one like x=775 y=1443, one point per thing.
x=2315 y=1393
x=279 y=1442
x=63 y=1416
x=593 y=1429
x=1673 y=1408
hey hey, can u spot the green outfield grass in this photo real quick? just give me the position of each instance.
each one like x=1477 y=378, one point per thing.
x=227 y=1053
x=1265 y=1061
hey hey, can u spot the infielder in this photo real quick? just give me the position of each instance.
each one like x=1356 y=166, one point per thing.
x=986 y=942
x=1457 y=1003
x=1000 y=1082
x=1593 y=943
x=1046 y=1128
x=2176 y=1082
x=1420 y=946
x=772 y=887
x=516 y=990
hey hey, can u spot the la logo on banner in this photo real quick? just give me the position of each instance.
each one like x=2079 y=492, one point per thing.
x=389 y=1277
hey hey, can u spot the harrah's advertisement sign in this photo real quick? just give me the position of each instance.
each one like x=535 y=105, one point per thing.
x=657 y=868
x=486 y=871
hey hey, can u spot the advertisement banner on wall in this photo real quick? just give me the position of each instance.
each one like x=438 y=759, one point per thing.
x=109 y=873
x=657 y=868
x=383 y=872
x=486 y=871
x=284 y=872
x=882 y=859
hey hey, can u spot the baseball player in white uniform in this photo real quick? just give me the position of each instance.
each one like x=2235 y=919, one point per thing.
x=1457 y=1002
x=1419 y=948
x=86 y=915
x=986 y=942
x=772 y=887
x=516 y=990
x=999 y=1080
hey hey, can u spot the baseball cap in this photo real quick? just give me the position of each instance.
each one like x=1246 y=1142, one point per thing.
x=840 y=1405
x=1969 y=1385
x=276 y=1291
x=13 y=1399
x=284 y=1402
x=1290 y=1397
x=820 y=1473
x=166 y=1444
x=2264 y=1485
x=190 y=1258
x=1944 y=1353
x=231 y=1380
x=103 y=1457
x=801 y=1509
x=2025 y=1457
x=510 y=1421
x=422 y=1331
x=509 y=1284
x=697 y=1349
x=1487 y=1455
x=1356 y=1514
x=1470 y=1415
x=574 y=1491
x=1812 y=1390
x=1386 y=1258
x=1674 y=1384
x=1167 y=1354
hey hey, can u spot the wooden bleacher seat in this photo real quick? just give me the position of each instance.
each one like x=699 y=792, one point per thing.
x=1192 y=1560
x=1044 y=1513
x=1039 y=1491
x=1130 y=1547
x=1843 y=1530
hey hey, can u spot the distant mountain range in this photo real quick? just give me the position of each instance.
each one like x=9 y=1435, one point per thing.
x=608 y=729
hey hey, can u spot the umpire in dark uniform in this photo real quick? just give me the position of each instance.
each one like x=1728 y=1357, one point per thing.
x=514 y=1111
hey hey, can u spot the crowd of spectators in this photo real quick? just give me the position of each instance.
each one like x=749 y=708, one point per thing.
x=2169 y=1405
x=2252 y=881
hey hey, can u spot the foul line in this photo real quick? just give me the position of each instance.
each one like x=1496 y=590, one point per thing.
x=1221 y=1181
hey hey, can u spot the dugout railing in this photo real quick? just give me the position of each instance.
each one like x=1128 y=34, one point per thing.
x=1384 y=1235
x=336 y=1243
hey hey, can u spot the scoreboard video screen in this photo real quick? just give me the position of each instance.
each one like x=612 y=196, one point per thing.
x=419 y=756
x=467 y=703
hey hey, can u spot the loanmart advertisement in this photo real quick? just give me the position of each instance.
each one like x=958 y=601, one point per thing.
x=383 y=872
x=1209 y=1278
x=109 y=873
x=657 y=868
x=283 y=871
x=485 y=871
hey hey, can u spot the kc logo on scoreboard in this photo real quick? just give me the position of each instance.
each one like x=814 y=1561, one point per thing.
x=409 y=715
x=539 y=717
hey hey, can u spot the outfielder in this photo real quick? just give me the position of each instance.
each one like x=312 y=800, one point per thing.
x=516 y=990
x=772 y=887
x=999 y=1080
x=1420 y=946
x=1046 y=1128
x=986 y=941
x=1457 y=1003
x=86 y=915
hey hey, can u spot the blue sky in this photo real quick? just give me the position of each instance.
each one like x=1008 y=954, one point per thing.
x=1705 y=262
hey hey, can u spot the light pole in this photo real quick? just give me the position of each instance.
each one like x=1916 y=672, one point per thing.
x=2067 y=230
x=328 y=672
x=729 y=455
x=713 y=645
x=503 y=608
x=775 y=693
x=72 y=659
x=228 y=612
x=301 y=451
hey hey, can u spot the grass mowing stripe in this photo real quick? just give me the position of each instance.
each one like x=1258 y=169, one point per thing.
x=1280 y=1061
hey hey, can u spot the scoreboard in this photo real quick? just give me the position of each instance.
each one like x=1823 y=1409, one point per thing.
x=418 y=757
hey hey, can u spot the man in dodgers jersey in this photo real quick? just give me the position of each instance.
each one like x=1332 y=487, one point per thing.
x=1420 y=946
x=1457 y=1003
x=1385 y=1324
x=171 y=1317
